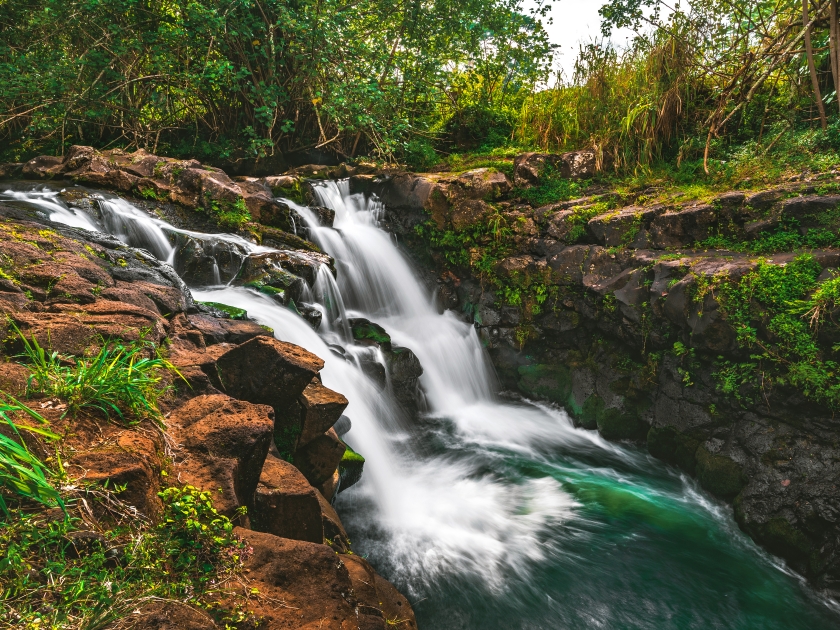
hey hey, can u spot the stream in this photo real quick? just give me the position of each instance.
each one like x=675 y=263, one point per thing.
x=488 y=511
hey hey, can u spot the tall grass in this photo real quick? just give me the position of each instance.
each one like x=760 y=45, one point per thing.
x=21 y=472
x=628 y=106
x=122 y=379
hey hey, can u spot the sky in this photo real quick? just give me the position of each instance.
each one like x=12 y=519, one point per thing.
x=575 y=22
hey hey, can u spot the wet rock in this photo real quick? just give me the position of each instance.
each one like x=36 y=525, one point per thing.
x=404 y=372
x=350 y=469
x=216 y=331
x=185 y=182
x=286 y=504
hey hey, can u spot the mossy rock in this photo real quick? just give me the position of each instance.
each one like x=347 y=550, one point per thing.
x=673 y=447
x=612 y=424
x=350 y=468
x=785 y=540
x=365 y=330
x=235 y=313
x=280 y=295
x=718 y=474
x=552 y=382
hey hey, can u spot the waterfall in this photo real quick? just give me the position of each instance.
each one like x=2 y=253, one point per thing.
x=487 y=512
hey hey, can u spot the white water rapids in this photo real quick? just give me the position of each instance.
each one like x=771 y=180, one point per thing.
x=497 y=511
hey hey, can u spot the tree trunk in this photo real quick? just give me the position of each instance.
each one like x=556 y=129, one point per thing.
x=809 y=53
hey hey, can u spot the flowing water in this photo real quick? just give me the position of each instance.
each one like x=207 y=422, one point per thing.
x=491 y=513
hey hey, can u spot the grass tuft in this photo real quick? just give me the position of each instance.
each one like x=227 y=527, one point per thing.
x=121 y=379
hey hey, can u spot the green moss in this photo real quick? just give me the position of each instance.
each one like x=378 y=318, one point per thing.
x=371 y=332
x=612 y=423
x=785 y=540
x=718 y=474
x=552 y=382
x=350 y=468
x=235 y=313
x=286 y=436
x=674 y=447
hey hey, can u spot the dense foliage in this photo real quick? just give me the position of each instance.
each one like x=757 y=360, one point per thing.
x=249 y=78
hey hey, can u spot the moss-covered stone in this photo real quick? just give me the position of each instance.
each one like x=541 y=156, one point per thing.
x=612 y=423
x=590 y=411
x=235 y=313
x=674 y=447
x=615 y=424
x=552 y=382
x=366 y=330
x=783 y=539
x=718 y=474
x=350 y=469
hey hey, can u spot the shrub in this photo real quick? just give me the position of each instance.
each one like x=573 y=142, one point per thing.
x=478 y=127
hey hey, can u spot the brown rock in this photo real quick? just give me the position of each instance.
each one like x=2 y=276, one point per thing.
x=128 y=459
x=529 y=169
x=42 y=167
x=319 y=459
x=380 y=604
x=301 y=585
x=322 y=407
x=333 y=528
x=223 y=445
x=286 y=505
x=268 y=372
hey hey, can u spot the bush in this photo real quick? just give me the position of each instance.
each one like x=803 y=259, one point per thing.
x=420 y=155
x=478 y=127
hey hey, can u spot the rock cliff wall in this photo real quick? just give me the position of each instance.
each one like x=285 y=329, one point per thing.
x=659 y=322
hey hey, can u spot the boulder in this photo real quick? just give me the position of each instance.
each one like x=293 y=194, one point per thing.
x=530 y=169
x=322 y=407
x=404 y=372
x=380 y=604
x=286 y=505
x=223 y=446
x=334 y=533
x=623 y=227
x=128 y=458
x=309 y=579
x=318 y=460
x=266 y=371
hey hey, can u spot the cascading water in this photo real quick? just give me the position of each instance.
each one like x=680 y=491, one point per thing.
x=492 y=513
